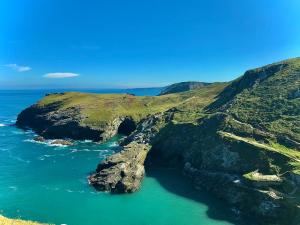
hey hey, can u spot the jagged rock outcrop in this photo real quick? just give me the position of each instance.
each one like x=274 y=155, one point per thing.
x=123 y=171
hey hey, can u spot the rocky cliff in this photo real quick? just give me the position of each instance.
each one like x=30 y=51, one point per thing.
x=240 y=143
x=121 y=172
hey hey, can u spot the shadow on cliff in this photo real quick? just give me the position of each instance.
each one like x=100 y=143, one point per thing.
x=167 y=150
x=174 y=182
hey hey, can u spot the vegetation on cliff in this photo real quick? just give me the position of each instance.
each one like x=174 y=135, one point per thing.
x=267 y=98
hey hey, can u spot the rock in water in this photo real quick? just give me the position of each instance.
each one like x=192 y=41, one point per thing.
x=39 y=139
x=61 y=142
x=121 y=172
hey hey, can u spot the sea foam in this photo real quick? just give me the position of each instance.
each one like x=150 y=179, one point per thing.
x=113 y=144
x=48 y=143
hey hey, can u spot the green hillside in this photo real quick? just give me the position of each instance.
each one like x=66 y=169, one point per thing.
x=183 y=86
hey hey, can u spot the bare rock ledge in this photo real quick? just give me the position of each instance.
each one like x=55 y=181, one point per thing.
x=121 y=172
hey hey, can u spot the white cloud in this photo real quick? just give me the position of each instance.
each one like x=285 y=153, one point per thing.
x=61 y=75
x=18 y=68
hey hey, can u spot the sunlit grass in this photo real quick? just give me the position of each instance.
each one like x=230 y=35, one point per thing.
x=7 y=221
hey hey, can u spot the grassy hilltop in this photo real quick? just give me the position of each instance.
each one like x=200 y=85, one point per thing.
x=98 y=109
x=99 y=116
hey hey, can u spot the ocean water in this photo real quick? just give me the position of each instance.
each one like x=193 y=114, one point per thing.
x=49 y=183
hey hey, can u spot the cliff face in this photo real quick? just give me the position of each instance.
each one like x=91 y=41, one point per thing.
x=241 y=143
x=219 y=161
x=50 y=122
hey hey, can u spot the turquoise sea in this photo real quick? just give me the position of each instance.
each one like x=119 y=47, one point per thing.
x=48 y=183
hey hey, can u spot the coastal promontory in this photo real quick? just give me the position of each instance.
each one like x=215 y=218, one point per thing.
x=239 y=140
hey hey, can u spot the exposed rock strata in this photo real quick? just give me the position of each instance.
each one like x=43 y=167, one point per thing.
x=124 y=171
x=121 y=172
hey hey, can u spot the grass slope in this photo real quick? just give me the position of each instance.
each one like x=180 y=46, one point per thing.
x=98 y=109
x=183 y=86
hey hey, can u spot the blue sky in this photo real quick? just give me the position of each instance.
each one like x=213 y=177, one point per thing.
x=141 y=43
